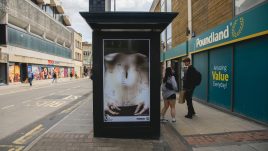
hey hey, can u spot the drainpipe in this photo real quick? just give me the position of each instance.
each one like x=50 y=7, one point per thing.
x=190 y=27
x=190 y=19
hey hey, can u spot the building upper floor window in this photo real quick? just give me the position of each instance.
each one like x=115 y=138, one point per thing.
x=166 y=35
x=78 y=44
x=78 y=56
x=244 y=5
x=86 y=53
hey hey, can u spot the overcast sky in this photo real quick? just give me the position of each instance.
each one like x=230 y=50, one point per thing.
x=73 y=7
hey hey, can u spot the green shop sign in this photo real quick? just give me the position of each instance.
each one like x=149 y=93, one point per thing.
x=249 y=25
x=220 y=76
x=176 y=52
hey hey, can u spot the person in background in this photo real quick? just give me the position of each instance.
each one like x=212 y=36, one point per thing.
x=54 y=77
x=30 y=77
x=169 y=88
x=188 y=86
x=71 y=75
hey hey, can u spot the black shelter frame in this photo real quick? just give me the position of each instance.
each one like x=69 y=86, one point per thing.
x=127 y=25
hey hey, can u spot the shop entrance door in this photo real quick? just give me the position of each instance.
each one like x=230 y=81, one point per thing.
x=3 y=73
x=23 y=72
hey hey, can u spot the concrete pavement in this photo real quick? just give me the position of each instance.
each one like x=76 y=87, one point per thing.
x=209 y=130
x=212 y=129
x=75 y=132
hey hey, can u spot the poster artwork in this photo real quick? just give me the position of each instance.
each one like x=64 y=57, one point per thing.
x=126 y=81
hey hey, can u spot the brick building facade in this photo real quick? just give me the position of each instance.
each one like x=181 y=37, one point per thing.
x=222 y=38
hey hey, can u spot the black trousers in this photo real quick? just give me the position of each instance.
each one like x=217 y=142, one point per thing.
x=188 y=97
x=30 y=81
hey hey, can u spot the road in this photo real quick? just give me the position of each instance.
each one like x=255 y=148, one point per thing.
x=26 y=112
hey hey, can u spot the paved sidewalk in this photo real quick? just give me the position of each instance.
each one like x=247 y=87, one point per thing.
x=209 y=130
x=75 y=133
x=212 y=129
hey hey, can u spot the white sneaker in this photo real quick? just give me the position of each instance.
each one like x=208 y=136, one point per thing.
x=173 y=120
x=163 y=120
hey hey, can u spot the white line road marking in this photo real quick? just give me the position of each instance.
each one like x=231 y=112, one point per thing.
x=6 y=107
x=39 y=97
x=53 y=104
x=56 y=104
x=26 y=101
x=76 y=87
x=42 y=103
x=76 y=97
x=67 y=97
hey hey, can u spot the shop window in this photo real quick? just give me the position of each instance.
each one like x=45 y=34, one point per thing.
x=244 y=5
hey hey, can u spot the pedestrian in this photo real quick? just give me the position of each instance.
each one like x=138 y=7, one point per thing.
x=71 y=75
x=91 y=74
x=30 y=77
x=189 y=86
x=54 y=77
x=169 y=88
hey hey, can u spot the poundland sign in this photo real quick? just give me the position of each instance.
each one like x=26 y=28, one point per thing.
x=245 y=26
x=214 y=37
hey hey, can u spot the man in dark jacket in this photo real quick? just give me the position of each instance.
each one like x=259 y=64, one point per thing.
x=188 y=86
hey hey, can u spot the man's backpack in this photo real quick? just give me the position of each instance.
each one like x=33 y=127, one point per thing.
x=197 y=77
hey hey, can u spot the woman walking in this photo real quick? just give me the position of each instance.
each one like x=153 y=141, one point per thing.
x=169 y=88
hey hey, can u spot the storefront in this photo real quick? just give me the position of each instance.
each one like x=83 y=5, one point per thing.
x=18 y=71
x=3 y=68
x=232 y=59
x=14 y=72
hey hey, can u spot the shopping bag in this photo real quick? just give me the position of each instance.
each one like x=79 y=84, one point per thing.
x=181 y=97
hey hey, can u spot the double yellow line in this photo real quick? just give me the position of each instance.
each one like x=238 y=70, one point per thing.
x=23 y=139
x=12 y=147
